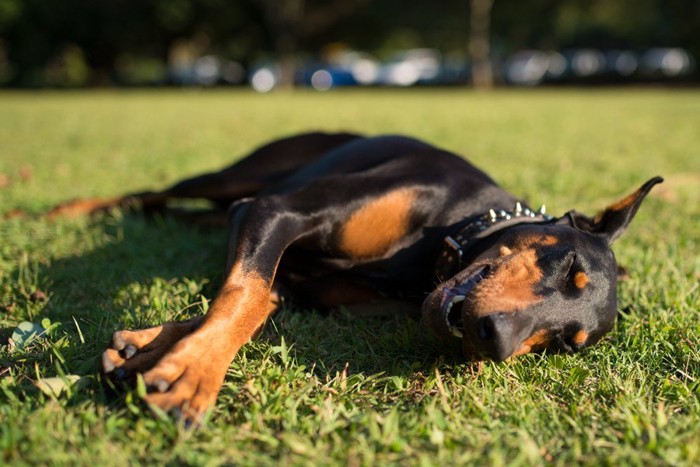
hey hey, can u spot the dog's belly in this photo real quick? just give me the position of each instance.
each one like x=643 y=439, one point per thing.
x=329 y=282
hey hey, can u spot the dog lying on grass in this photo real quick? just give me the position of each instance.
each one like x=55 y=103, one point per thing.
x=342 y=219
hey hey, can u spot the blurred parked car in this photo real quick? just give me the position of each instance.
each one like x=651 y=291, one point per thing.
x=208 y=70
x=667 y=62
x=410 y=67
x=534 y=67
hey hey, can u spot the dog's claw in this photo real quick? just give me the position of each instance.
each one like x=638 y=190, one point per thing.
x=160 y=385
x=190 y=423
x=129 y=351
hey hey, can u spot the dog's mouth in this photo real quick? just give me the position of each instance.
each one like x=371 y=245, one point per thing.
x=452 y=298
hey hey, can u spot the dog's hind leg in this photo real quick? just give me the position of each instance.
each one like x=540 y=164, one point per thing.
x=89 y=206
x=258 y=171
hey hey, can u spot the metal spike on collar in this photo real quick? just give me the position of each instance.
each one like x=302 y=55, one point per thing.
x=451 y=257
x=518 y=208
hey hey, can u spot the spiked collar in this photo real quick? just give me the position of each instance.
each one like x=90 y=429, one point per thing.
x=474 y=228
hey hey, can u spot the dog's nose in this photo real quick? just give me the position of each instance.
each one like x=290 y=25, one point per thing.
x=495 y=335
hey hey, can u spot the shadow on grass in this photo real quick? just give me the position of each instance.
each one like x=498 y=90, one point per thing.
x=147 y=271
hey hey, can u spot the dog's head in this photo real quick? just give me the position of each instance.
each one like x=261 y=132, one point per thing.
x=536 y=286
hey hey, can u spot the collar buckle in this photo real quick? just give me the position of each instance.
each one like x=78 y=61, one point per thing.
x=450 y=261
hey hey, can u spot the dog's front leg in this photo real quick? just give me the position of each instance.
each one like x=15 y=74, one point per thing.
x=188 y=377
x=184 y=365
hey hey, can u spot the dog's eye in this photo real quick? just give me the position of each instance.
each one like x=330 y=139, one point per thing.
x=575 y=278
x=571 y=264
x=576 y=274
x=567 y=269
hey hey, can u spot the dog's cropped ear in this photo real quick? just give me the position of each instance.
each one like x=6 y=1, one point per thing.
x=611 y=222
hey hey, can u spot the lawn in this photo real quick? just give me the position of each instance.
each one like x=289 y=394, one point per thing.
x=334 y=388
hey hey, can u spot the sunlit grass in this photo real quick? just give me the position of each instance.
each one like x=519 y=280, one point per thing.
x=324 y=389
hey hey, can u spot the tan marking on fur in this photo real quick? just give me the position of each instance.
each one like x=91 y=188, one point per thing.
x=519 y=243
x=625 y=202
x=536 y=240
x=240 y=308
x=581 y=280
x=275 y=302
x=537 y=341
x=272 y=307
x=504 y=251
x=580 y=338
x=375 y=227
x=81 y=207
x=510 y=287
x=619 y=205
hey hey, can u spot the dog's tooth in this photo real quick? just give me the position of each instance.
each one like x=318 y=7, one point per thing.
x=543 y=209
x=518 y=208
x=492 y=214
x=458 y=298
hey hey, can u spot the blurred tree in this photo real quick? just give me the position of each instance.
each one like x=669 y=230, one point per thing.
x=39 y=37
x=10 y=10
x=289 y=21
x=480 y=43
x=557 y=24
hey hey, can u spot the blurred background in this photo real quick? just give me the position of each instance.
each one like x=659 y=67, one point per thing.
x=323 y=44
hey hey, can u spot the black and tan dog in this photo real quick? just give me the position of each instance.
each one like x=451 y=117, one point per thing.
x=340 y=219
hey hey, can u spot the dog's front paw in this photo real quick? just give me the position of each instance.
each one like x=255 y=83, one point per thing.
x=188 y=378
x=134 y=352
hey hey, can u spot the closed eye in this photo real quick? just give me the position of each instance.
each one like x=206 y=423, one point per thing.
x=571 y=259
x=575 y=279
x=568 y=269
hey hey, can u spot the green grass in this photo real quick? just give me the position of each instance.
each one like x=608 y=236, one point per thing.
x=328 y=389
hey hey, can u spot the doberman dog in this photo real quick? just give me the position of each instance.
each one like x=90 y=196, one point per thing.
x=341 y=219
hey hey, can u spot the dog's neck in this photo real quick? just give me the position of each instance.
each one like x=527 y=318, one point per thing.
x=474 y=228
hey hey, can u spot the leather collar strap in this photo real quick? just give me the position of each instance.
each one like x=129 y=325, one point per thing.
x=474 y=228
